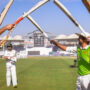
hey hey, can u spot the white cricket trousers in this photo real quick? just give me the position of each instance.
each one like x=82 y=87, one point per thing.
x=83 y=82
x=11 y=75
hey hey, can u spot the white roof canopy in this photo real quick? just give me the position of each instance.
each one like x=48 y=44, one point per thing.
x=72 y=36
x=17 y=37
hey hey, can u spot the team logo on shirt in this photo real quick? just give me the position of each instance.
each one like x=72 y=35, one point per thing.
x=84 y=52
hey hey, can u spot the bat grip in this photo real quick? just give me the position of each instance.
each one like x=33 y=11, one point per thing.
x=21 y=18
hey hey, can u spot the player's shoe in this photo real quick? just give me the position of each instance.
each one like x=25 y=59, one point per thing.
x=15 y=86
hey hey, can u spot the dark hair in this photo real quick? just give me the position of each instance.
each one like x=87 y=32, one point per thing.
x=9 y=45
x=84 y=39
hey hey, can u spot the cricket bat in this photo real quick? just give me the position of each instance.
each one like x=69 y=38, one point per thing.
x=4 y=12
x=38 y=27
x=69 y=15
x=39 y=4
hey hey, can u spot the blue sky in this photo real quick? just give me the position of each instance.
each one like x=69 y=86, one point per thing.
x=49 y=16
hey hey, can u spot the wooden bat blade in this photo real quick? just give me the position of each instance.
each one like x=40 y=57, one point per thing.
x=22 y=17
x=39 y=4
x=64 y=9
x=3 y=14
x=39 y=28
x=69 y=15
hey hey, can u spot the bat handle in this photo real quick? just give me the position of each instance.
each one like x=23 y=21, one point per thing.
x=21 y=18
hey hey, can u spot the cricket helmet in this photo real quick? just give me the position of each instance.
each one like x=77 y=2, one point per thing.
x=9 y=45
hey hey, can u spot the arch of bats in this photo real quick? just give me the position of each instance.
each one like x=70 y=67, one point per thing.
x=27 y=15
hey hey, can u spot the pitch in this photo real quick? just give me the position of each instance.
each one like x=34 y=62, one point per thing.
x=42 y=73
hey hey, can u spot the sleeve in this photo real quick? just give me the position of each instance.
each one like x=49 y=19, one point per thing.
x=14 y=58
x=71 y=49
x=5 y=53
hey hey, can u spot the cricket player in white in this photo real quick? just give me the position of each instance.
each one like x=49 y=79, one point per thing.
x=10 y=56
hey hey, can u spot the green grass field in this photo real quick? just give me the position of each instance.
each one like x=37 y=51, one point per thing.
x=42 y=73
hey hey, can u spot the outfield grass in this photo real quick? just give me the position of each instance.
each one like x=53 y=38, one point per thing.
x=42 y=73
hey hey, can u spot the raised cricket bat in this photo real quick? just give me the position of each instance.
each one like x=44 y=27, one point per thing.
x=42 y=2
x=38 y=27
x=64 y=9
x=4 y=12
x=31 y=10
x=23 y=16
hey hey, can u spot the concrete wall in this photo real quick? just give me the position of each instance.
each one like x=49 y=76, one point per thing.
x=43 y=51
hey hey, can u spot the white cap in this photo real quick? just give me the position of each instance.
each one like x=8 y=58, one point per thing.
x=86 y=34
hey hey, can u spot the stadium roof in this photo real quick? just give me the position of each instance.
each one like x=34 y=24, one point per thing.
x=61 y=37
x=17 y=37
x=72 y=36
